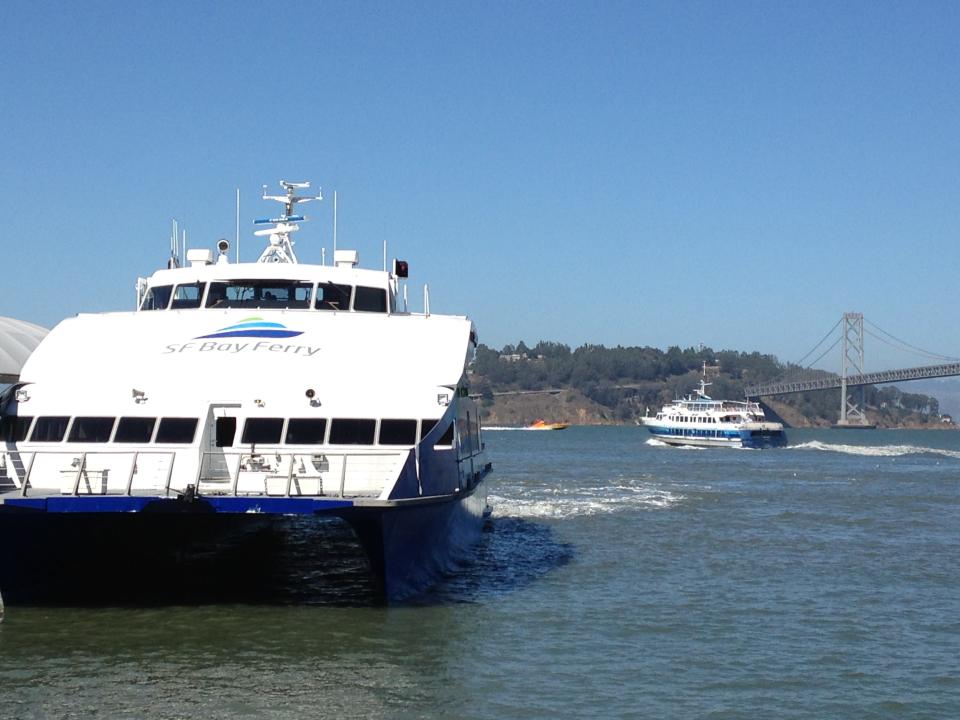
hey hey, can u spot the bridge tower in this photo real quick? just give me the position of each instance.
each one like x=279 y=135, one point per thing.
x=852 y=414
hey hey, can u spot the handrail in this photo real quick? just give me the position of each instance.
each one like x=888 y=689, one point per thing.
x=81 y=463
x=271 y=463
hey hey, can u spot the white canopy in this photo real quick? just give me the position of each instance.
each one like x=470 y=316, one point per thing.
x=17 y=340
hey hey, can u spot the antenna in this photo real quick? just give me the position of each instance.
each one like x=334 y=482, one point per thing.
x=384 y=255
x=334 y=223
x=174 y=260
x=238 y=226
x=280 y=248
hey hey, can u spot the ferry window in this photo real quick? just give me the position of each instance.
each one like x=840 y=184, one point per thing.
x=350 y=431
x=262 y=430
x=157 y=298
x=225 y=431
x=306 y=431
x=370 y=299
x=134 y=429
x=49 y=429
x=91 y=429
x=446 y=439
x=398 y=432
x=13 y=428
x=260 y=294
x=176 y=430
x=331 y=296
x=187 y=296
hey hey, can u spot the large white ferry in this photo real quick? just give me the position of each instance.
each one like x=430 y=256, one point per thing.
x=268 y=388
x=700 y=420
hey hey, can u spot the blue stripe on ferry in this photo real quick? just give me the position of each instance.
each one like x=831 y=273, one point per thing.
x=689 y=432
x=135 y=503
x=259 y=323
x=253 y=333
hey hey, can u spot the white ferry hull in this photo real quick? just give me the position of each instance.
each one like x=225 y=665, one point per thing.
x=752 y=435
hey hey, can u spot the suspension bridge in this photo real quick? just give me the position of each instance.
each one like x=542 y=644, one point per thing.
x=852 y=376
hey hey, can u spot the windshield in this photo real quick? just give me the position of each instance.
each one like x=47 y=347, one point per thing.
x=259 y=294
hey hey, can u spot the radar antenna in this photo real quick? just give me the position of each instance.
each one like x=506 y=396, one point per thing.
x=280 y=248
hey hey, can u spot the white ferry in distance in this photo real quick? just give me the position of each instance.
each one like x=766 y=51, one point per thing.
x=255 y=389
x=703 y=421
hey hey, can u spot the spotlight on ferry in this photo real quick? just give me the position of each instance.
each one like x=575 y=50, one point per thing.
x=139 y=396
x=310 y=393
x=223 y=245
x=312 y=397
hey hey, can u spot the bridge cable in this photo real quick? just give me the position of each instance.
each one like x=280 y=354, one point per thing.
x=916 y=349
x=903 y=349
x=835 y=343
x=814 y=349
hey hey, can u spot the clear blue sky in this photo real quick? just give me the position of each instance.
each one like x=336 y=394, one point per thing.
x=638 y=173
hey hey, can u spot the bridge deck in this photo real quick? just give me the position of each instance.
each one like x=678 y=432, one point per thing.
x=877 y=378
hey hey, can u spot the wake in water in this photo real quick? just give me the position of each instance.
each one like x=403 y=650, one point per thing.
x=653 y=442
x=876 y=450
x=580 y=502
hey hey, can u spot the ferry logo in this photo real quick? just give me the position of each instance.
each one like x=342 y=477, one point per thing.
x=253 y=327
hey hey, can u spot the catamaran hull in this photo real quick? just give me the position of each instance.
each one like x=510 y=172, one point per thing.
x=415 y=544
x=82 y=550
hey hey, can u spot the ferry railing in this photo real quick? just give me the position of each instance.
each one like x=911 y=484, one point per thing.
x=296 y=474
x=76 y=469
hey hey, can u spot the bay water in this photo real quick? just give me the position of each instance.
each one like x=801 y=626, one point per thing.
x=617 y=578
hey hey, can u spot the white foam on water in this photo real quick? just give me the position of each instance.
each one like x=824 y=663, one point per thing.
x=876 y=450
x=504 y=428
x=653 y=442
x=619 y=498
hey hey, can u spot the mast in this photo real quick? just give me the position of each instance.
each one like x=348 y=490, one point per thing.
x=280 y=248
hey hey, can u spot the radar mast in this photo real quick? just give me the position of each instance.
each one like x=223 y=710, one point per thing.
x=280 y=249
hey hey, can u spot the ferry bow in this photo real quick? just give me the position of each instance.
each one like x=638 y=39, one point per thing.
x=251 y=390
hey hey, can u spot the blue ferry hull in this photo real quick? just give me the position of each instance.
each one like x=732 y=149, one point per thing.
x=755 y=439
x=106 y=549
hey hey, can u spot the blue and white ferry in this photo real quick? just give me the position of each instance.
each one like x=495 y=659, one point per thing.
x=699 y=420
x=244 y=391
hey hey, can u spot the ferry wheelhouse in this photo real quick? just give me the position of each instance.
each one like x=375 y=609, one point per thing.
x=700 y=420
x=253 y=389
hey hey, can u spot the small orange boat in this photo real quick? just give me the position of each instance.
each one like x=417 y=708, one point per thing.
x=543 y=425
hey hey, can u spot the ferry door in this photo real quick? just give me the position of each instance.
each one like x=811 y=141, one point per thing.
x=218 y=462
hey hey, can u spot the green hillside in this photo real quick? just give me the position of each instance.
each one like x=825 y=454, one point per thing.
x=596 y=384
